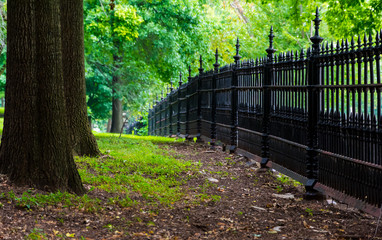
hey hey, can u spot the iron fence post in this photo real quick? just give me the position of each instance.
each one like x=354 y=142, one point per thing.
x=188 y=103
x=313 y=112
x=267 y=80
x=161 y=115
x=234 y=101
x=213 y=103
x=199 y=122
x=156 y=115
x=178 y=116
x=170 y=109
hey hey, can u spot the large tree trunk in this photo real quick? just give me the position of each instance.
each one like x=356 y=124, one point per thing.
x=35 y=147
x=72 y=35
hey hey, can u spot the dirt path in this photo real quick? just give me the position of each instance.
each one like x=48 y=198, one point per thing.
x=229 y=198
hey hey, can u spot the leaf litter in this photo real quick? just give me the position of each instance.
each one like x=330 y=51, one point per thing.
x=252 y=205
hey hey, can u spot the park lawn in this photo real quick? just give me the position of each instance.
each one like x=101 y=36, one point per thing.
x=133 y=171
x=163 y=188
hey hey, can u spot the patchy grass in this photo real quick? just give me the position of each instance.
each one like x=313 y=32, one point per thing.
x=132 y=169
x=134 y=165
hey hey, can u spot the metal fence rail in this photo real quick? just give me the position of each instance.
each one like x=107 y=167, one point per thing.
x=316 y=113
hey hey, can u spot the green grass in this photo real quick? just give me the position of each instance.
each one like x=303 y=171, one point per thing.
x=134 y=170
x=135 y=165
x=1 y=111
x=1 y=125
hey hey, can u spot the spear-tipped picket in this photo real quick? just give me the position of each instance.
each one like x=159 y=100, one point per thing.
x=216 y=64
x=189 y=71
x=316 y=39
x=201 y=65
x=377 y=40
x=359 y=44
x=370 y=40
x=237 y=57
x=352 y=45
x=271 y=50
x=302 y=54
x=180 y=79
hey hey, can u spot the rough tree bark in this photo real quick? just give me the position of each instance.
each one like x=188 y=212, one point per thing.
x=35 y=148
x=72 y=36
x=116 y=115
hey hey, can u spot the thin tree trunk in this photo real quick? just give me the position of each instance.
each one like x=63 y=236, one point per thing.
x=72 y=34
x=35 y=147
x=116 y=116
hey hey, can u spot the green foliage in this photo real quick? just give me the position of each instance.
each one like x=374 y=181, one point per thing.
x=1 y=125
x=309 y=211
x=285 y=180
x=347 y=18
x=36 y=234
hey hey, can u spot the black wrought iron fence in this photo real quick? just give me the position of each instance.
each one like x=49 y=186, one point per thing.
x=316 y=113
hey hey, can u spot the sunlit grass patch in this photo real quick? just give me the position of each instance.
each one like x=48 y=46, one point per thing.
x=133 y=171
x=135 y=164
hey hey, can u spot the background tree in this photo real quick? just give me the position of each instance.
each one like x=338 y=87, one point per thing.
x=35 y=148
x=3 y=41
x=73 y=64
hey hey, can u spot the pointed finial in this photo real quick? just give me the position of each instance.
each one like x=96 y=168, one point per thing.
x=302 y=54
x=352 y=46
x=370 y=39
x=316 y=39
x=201 y=64
x=237 y=56
x=161 y=95
x=180 y=79
x=216 y=64
x=359 y=42
x=271 y=50
x=377 y=39
x=189 y=72
x=365 y=40
x=172 y=85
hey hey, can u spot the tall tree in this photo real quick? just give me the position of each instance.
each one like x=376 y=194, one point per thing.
x=35 y=148
x=72 y=36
